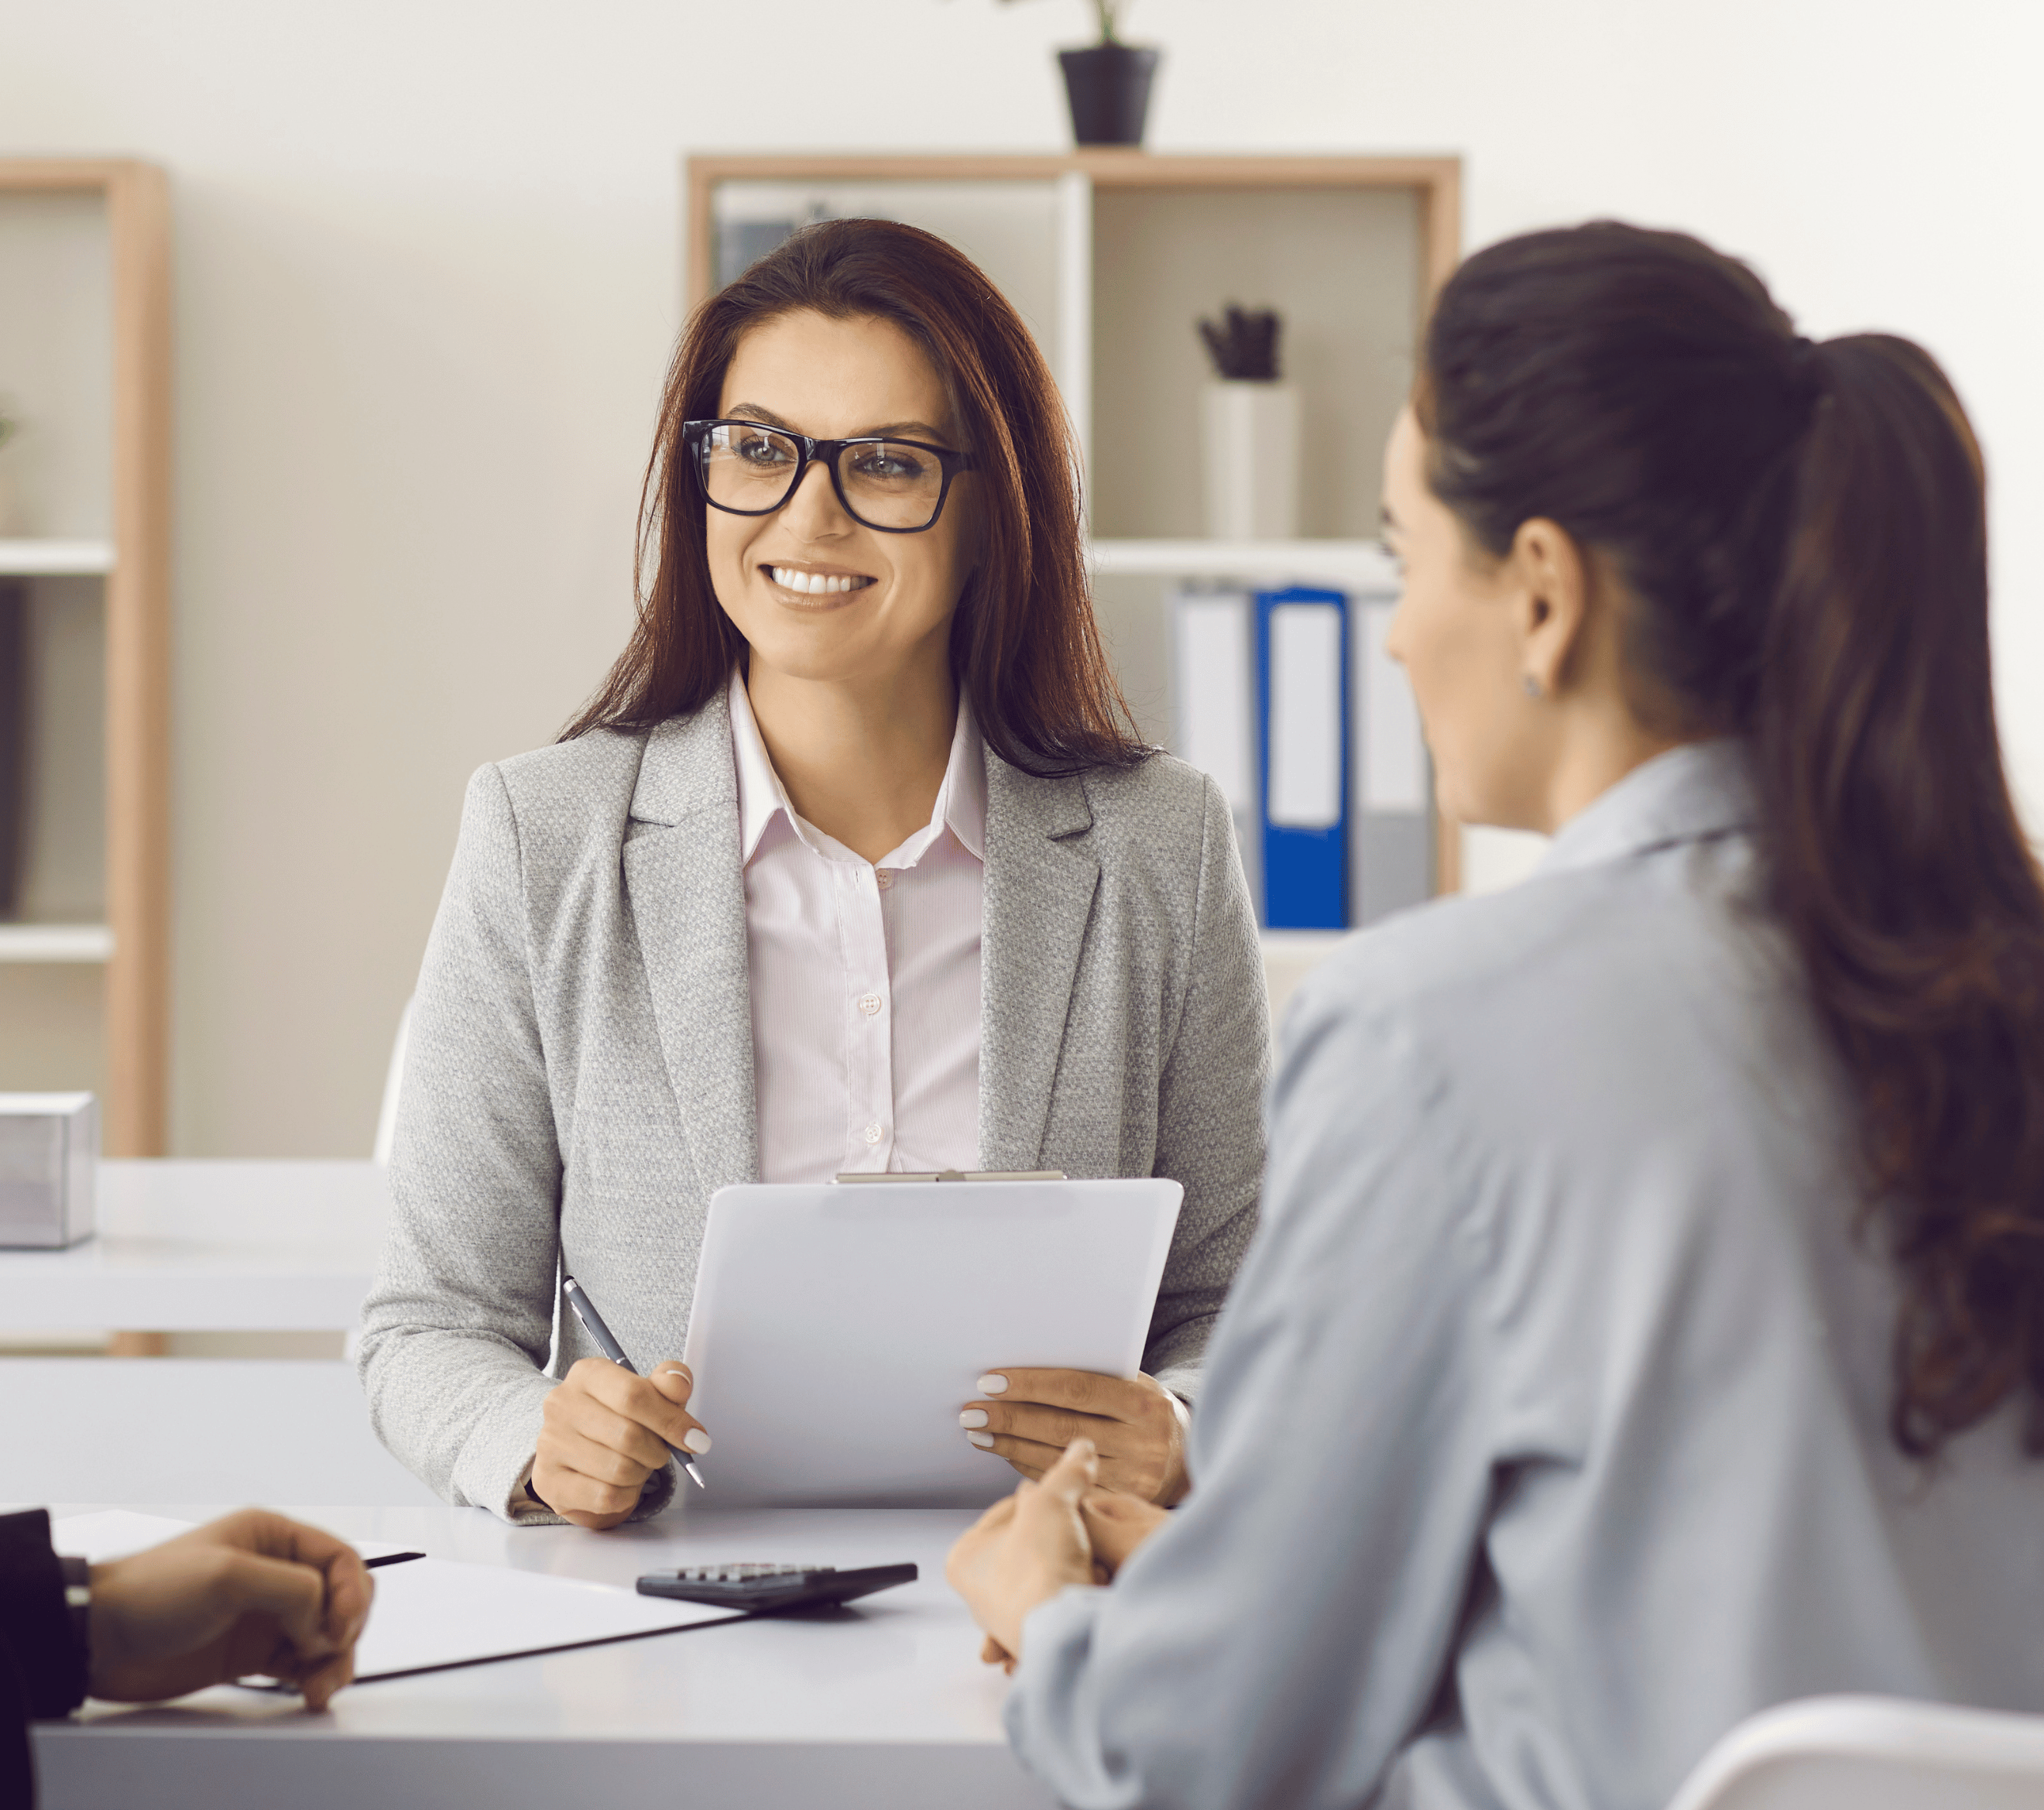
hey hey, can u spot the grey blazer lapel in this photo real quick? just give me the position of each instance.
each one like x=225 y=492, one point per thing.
x=1040 y=882
x=687 y=893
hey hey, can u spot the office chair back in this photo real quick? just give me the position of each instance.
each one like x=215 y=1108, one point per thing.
x=1872 y=1753
x=393 y=1079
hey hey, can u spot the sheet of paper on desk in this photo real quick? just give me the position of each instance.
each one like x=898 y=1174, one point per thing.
x=431 y=1614
x=113 y=1533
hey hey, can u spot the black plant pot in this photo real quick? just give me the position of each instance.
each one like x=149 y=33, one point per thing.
x=1109 y=86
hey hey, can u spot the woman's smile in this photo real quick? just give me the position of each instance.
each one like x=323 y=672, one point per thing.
x=808 y=582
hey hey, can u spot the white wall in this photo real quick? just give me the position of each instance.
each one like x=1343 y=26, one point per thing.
x=428 y=258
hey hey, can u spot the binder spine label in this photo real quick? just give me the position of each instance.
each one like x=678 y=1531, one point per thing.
x=1302 y=661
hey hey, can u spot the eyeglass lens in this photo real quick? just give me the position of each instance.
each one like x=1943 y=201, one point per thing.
x=884 y=484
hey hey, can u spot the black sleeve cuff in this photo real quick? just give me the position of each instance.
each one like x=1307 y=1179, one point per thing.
x=33 y=1619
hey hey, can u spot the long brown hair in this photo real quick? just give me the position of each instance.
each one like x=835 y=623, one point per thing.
x=1801 y=530
x=1023 y=642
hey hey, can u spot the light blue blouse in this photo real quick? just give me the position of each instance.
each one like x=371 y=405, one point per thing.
x=1544 y=1435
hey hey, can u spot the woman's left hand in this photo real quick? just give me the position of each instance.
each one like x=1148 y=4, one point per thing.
x=1023 y=1550
x=1137 y=1426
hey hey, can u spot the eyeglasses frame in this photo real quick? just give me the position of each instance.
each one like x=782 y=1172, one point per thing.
x=826 y=452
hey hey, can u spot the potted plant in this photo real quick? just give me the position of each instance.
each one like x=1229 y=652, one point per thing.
x=1108 y=84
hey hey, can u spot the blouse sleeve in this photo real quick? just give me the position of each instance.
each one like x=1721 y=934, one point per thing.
x=1285 y=1636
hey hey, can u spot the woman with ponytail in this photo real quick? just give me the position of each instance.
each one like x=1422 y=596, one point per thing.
x=1647 y=1324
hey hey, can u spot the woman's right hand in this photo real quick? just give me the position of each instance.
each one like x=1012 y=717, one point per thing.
x=604 y=1432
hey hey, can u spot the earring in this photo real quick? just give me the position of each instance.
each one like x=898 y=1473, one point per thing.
x=1530 y=686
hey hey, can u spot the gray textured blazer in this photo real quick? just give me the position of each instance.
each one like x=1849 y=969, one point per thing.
x=579 y=1079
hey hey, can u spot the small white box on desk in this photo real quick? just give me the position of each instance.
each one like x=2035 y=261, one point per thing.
x=49 y=1148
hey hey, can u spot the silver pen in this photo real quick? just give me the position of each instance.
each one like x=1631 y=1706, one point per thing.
x=592 y=1322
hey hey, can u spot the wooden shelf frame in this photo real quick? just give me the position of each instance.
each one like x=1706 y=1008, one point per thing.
x=1435 y=180
x=134 y=1114
x=1438 y=181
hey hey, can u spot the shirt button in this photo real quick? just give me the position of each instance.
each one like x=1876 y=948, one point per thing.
x=872 y=1134
x=869 y=1004
x=886 y=878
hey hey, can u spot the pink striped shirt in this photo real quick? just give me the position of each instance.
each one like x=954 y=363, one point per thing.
x=865 y=975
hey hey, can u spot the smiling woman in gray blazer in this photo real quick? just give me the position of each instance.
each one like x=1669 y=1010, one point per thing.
x=853 y=863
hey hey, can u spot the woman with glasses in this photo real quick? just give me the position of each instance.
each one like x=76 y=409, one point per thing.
x=853 y=864
x=1647 y=1326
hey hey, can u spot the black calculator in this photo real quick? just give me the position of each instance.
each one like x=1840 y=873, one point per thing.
x=764 y=1589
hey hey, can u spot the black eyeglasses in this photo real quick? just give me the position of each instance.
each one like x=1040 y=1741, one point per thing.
x=895 y=485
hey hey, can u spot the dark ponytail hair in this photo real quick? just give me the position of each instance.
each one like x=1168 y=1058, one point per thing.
x=1800 y=531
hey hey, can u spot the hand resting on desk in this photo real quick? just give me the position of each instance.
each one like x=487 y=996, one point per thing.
x=1137 y=1428
x=604 y=1431
x=251 y=1592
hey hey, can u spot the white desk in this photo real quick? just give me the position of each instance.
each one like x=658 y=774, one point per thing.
x=125 y=1431
x=211 y=1248
x=883 y=1706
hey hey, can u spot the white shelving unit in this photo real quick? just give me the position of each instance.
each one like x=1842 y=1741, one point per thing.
x=55 y=558
x=84 y=601
x=1360 y=566
x=56 y=942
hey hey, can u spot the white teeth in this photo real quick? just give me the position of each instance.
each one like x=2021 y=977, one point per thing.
x=815 y=583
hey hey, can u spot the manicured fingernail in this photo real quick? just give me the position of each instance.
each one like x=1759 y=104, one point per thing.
x=973 y=1417
x=984 y=1441
x=696 y=1439
x=991 y=1383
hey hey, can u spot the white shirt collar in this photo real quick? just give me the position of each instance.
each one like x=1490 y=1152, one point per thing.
x=961 y=805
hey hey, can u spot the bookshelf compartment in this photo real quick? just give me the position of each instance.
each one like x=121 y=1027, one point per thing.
x=1013 y=230
x=58 y=787
x=56 y=365
x=1342 y=265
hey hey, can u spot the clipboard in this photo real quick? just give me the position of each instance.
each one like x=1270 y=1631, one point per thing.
x=837 y=1332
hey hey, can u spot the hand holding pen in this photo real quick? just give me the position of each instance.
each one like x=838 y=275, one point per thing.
x=606 y=1429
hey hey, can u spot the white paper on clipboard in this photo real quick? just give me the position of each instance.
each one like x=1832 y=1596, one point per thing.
x=838 y=1330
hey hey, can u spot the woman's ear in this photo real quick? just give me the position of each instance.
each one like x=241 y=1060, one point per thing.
x=1549 y=580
